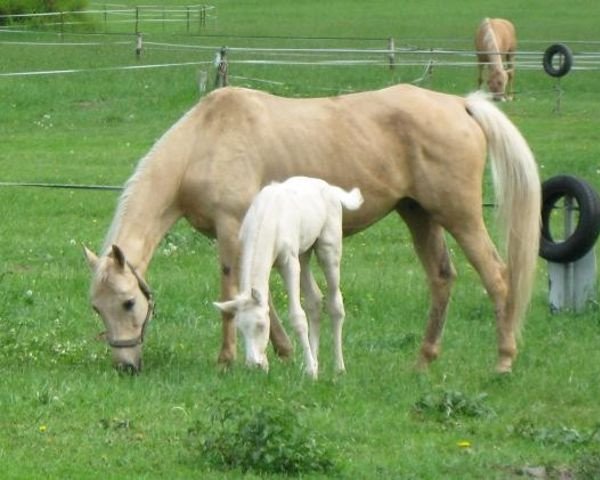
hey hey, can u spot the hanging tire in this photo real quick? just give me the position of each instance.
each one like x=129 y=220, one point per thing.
x=566 y=58
x=585 y=233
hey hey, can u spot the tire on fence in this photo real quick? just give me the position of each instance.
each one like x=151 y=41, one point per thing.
x=566 y=60
x=578 y=243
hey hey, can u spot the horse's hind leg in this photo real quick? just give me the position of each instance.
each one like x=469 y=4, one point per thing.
x=474 y=239
x=430 y=245
x=312 y=302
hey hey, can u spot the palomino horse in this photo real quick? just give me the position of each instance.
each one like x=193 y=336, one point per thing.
x=284 y=224
x=417 y=152
x=496 y=41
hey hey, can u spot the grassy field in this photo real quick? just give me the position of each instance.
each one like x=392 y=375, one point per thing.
x=67 y=414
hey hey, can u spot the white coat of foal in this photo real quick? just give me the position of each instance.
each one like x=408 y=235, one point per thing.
x=284 y=224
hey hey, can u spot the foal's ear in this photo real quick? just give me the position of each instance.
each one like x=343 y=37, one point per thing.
x=90 y=257
x=230 y=306
x=118 y=255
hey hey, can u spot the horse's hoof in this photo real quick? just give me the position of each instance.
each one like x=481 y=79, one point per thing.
x=285 y=352
x=226 y=358
x=504 y=367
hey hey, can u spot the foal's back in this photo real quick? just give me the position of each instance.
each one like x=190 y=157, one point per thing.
x=292 y=214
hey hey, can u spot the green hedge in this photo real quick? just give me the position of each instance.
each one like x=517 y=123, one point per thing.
x=16 y=7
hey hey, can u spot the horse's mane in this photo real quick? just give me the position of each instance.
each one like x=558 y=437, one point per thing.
x=133 y=183
x=489 y=37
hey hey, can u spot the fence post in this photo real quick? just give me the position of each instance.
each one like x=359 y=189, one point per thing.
x=392 y=53
x=188 y=19
x=138 y=45
x=222 y=68
x=572 y=286
x=137 y=19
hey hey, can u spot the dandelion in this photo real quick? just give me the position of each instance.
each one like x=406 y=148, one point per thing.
x=43 y=428
x=464 y=444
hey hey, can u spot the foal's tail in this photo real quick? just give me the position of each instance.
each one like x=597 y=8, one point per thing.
x=518 y=198
x=351 y=200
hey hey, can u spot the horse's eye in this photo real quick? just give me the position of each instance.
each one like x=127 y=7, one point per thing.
x=128 y=305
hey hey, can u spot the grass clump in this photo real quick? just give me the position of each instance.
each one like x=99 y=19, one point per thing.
x=450 y=405
x=263 y=439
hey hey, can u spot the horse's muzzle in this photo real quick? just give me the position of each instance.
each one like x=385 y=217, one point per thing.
x=128 y=360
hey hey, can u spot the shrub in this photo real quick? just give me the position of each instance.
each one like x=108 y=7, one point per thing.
x=20 y=7
x=263 y=439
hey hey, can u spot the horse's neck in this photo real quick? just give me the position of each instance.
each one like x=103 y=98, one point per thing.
x=493 y=47
x=148 y=206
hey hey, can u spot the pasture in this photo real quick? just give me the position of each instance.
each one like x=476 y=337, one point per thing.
x=65 y=413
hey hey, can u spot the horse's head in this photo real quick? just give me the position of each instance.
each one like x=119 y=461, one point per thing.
x=251 y=313
x=497 y=83
x=124 y=301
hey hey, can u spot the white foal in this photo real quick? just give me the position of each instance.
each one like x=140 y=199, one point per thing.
x=283 y=225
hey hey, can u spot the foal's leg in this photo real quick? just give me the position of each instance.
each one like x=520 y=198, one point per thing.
x=312 y=301
x=290 y=270
x=430 y=245
x=329 y=254
x=229 y=251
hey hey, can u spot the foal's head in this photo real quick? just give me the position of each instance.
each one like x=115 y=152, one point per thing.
x=124 y=302
x=497 y=83
x=251 y=313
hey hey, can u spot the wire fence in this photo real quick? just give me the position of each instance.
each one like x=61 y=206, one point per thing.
x=114 y=19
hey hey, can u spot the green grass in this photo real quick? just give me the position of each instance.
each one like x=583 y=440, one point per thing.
x=67 y=414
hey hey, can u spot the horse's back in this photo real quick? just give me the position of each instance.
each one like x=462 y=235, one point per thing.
x=384 y=142
x=504 y=32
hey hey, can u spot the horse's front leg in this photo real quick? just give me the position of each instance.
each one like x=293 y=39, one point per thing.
x=229 y=250
x=510 y=71
x=279 y=338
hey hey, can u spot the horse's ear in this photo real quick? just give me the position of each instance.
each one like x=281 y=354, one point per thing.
x=256 y=296
x=230 y=306
x=90 y=257
x=119 y=256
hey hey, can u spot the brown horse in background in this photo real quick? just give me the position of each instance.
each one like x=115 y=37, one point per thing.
x=412 y=151
x=495 y=42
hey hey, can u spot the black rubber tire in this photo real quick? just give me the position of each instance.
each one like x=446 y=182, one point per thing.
x=566 y=64
x=588 y=227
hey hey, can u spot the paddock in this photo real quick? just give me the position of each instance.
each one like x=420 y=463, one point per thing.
x=91 y=126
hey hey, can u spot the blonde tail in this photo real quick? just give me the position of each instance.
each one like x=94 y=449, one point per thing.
x=518 y=199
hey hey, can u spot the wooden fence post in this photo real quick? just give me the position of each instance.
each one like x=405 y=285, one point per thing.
x=392 y=54
x=138 y=45
x=222 y=68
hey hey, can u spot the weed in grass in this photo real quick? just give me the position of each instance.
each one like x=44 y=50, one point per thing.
x=556 y=436
x=449 y=406
x=263 y=439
